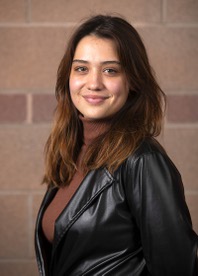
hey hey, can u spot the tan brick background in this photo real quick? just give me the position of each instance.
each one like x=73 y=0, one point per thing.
x=32 y=38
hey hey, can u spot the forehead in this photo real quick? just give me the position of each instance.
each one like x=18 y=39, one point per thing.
x=92 y=46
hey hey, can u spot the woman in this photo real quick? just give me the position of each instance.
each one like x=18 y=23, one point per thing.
x=115 y=202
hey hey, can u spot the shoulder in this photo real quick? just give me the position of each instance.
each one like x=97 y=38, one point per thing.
x=147 y=147
x=150 y=156
x=149 y=173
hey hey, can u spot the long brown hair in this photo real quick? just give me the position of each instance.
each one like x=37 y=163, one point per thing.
x=141 y=116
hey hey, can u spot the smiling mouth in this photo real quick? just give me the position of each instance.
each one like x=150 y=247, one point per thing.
x=93 y=99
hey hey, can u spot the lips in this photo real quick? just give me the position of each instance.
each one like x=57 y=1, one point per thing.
x=95 y=99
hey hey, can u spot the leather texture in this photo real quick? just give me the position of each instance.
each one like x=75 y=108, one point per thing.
x=133 y=222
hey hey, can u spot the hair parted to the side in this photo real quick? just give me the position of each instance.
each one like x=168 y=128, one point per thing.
x=141 y=116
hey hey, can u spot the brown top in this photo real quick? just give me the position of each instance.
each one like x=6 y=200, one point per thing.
x=92 y=129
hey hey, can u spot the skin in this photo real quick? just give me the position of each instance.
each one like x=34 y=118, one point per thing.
x=98 y=84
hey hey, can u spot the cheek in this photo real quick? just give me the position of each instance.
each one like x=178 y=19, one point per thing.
x=73 y=88
x=74 y=84
x=119 y=90
x=75 y=100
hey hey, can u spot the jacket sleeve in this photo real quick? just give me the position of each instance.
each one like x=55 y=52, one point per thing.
x=156 y=198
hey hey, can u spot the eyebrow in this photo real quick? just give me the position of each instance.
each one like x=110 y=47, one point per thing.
x=103 y=62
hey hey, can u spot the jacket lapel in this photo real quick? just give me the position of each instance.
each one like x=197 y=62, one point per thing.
x=40 y=250
x=50 y=193
x=93 y=184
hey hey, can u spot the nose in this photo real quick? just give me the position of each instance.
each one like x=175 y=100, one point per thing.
x=94 y=81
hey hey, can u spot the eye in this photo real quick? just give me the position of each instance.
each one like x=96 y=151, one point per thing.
x=80 y=69
x=110 y=71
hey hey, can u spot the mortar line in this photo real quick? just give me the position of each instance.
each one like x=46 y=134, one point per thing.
x=30 y=224
x=29 y=109
x=164 y=11
x=29 y=11
x=73 y=24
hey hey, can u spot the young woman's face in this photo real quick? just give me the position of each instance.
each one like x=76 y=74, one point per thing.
x=98 y=84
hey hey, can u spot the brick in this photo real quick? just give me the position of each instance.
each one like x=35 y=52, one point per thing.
x=181 y=145
x=18 y=268
x=12 y=108
x=13 y=11
x=183 y=108
x=64 y=11
x=14 y=226
x=182 y=11
x=30 y=56
x=192 y=202
x=43 y=107
x=21 y=158
x=173 y=53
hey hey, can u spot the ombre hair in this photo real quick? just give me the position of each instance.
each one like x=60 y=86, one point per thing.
x=141 y=116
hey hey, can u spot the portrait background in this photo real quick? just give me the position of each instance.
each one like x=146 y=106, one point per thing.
x=33 y=34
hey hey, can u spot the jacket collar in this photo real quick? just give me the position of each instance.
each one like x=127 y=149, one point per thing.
x=92 y=185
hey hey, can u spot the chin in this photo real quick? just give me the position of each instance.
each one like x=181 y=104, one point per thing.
x=95 y=117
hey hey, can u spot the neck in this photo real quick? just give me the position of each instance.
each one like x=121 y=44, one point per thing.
x=93 y=128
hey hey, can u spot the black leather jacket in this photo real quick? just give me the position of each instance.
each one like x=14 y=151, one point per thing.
x=133 y=222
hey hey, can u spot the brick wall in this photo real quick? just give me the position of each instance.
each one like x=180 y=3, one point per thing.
x=32 y=38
